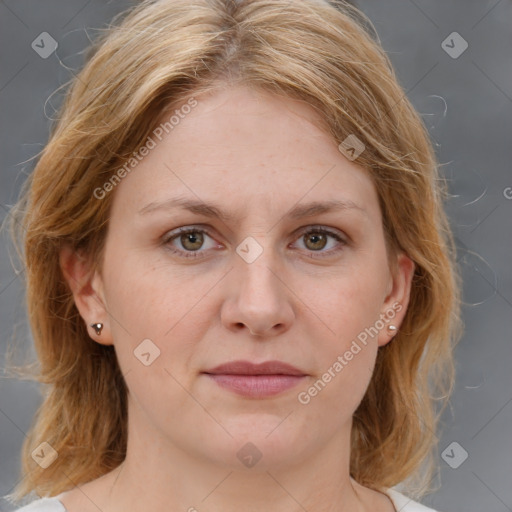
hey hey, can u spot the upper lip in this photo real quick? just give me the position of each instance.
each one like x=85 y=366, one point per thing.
x=248 y=368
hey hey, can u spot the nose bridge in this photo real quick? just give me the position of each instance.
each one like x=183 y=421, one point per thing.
x=257 y=265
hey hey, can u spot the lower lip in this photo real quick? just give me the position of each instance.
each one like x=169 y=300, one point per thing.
x=256 y=386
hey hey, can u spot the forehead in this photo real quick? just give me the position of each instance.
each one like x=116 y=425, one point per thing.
x=239 y=147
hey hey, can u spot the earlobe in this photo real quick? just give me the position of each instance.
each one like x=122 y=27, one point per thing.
x=392 y=329
x=397 y=300
x=86 y=286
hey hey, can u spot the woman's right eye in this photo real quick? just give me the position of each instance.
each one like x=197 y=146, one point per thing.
x=191 y=241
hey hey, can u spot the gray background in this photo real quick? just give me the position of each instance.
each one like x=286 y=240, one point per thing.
x=466 y=103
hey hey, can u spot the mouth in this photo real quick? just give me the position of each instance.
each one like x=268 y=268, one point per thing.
x=256 y=380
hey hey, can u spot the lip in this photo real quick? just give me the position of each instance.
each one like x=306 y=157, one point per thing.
x=248 y=368
x=256 y=380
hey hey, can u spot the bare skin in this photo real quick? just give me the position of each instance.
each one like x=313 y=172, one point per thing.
x=303 y=300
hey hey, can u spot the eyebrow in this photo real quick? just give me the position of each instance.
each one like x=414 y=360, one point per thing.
x=299 y=211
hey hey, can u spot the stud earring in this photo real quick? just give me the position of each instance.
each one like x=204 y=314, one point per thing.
x=392 y=329
x=97 y=327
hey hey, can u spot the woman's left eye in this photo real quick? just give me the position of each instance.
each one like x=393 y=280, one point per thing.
x=317 y=238
x=191 y=239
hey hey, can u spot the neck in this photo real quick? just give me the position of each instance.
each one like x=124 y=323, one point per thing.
x=220 y=489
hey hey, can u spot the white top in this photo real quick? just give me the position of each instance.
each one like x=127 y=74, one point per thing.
x=402 y=504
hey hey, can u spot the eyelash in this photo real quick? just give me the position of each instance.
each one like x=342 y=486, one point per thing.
x=198 y=254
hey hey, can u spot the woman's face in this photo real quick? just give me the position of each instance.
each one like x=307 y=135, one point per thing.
x=254 y=180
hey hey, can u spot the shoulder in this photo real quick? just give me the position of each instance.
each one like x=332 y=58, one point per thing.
x=43 y=505
x=405 y=504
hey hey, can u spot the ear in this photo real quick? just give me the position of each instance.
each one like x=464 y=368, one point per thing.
x=395 y=304
x=87 y=288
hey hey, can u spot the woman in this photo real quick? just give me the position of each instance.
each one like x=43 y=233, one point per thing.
x=240 y=276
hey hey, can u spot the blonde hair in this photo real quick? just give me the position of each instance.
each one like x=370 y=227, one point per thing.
x=158 y=55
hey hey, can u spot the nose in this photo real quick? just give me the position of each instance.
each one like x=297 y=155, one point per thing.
x=259 y=299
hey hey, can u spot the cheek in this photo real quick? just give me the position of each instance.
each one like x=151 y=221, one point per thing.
x=151 y=326
x=347 y=302
x=151 y=298
x=151 y=301
x=345 y=363
x=349 y=307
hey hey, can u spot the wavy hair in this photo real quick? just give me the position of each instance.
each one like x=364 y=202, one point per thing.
x=155 y=56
